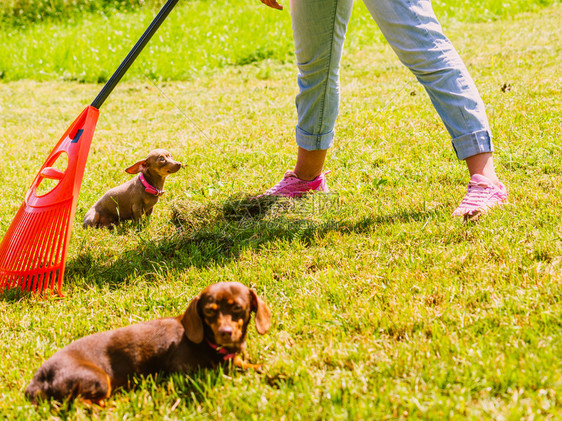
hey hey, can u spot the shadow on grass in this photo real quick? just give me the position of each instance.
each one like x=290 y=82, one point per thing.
x=12 y=295
x=17 y=293
x=218 y=232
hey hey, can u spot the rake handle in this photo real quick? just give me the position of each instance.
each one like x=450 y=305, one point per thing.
x=52 y=173
x=133 y=54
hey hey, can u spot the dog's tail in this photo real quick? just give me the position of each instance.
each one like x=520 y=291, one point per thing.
x=91 y=218
x=36 y=390
x=64 y=378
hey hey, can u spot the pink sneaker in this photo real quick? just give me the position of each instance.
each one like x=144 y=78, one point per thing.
x=482 y=195
x=292 y=186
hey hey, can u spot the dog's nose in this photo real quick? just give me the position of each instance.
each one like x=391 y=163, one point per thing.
x=225 y=331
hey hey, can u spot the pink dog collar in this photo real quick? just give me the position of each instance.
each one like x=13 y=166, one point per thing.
x=148 y=188
x=221 y=350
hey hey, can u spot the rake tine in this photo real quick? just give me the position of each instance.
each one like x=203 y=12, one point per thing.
x=33 y=255
x=55 y=257
x=12 y=254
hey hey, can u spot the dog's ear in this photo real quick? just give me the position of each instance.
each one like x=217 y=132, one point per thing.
x=137 y=167
x=263 y=315
x=192 y=322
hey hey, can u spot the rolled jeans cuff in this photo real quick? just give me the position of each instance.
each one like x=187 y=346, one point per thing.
x=473 y=144
x=312 y=142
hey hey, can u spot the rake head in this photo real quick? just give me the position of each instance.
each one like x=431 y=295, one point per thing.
x=33 y=251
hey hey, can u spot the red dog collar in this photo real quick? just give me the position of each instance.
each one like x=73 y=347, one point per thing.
x=148 y=188
x=221 y=350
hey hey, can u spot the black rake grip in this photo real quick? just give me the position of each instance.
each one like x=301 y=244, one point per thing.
x=133 y=54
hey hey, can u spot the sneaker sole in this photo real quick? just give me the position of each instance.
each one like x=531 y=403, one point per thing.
x=478 y=213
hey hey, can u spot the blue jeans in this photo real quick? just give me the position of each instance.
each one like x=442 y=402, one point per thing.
x=415 y=35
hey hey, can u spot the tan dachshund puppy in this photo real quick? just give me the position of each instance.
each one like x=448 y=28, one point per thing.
x=136 y=197
x=212 y=331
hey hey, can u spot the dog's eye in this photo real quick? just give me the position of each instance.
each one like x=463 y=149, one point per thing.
x=209 y=312
x=162 y=159
x=237 y=309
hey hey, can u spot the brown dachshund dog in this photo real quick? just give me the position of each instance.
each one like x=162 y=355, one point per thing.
x=212 y=331
x=136 y=197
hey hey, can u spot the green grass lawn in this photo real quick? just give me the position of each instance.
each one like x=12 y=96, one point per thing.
x=384 y=307
x=199 y=37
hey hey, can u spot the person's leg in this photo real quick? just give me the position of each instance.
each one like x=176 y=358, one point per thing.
x=319 y=28
x=309 y=163
x=483 y=164
x=412 y=30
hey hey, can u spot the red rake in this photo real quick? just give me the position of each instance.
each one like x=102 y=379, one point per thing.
x=33 y=251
